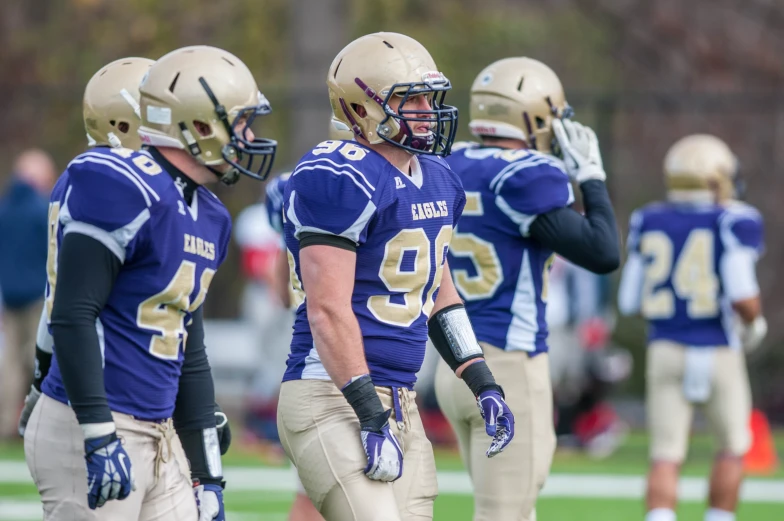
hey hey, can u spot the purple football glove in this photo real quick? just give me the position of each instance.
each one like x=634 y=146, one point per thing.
x=499 y=420
x=385 y=457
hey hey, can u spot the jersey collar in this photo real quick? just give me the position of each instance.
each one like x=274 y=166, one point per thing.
x=184 y=184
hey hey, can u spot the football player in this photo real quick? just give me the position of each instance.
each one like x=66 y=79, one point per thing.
x=111 y=118
x=690 y=273
x=517 y=217
x=368 y=224
x=302 y=509
x=138 y=240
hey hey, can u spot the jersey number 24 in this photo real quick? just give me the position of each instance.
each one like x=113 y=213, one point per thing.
x=693 y=276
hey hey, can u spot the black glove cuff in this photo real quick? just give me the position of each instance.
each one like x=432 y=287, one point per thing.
x=479 y=379
x=95 y=444
x=43 y=361
x=361 y=395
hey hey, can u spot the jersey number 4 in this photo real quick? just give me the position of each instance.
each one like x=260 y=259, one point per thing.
x=694 y=278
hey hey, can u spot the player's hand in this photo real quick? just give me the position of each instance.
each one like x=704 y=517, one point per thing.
x=580 y=150
x=752 y=335
x=224 y=432
x=209 y=501
x=499 y=420
x=30 y=400
x=384 y=455
x=109 y=472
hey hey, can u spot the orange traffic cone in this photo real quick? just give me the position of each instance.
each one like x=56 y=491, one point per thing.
x=761 y=457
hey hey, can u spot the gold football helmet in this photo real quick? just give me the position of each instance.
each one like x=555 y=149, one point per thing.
x=372 y=69
x=518 y=98
x=339 y=131
x=701 y=162
x=111 y=104
x=204 y=100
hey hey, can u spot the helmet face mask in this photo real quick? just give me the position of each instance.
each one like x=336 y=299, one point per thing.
x=243 y=146
x=441 y=118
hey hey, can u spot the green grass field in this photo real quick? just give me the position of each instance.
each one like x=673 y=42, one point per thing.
x=630 y=460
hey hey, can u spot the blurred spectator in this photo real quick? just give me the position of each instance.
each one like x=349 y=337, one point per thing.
x=583 y=366
x=23 y=247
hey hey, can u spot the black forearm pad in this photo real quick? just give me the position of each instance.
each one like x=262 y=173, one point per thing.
x=589 y=241
x=85 y=276
x=193 y=446
x=361 y=395
x=479 y=379
x=440 y=338
x=43 y=361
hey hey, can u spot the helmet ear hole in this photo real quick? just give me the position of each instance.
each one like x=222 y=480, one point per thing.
x=359 y=109
x=204 y=129
x=112 y=122
x=123 y=127
x=540 y=123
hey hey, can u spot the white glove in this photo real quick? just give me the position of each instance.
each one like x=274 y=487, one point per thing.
x=29 y=403
x=752 y=335
x=580 y=150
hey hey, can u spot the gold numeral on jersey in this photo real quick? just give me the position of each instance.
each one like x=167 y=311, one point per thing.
x=165 y=312
x=204 y=286
x=51 y=256
x=410 y=283
x=548 y=264
x=147 y=165
x=442 y=244
x=693 y=278
x=481 y=253
x=296 y=293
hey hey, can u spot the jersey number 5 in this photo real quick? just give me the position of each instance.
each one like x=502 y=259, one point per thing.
x=481 y=253
x=693 y=277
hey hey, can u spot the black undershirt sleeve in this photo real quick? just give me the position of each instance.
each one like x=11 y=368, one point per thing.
x=590 y=241
x=311 y=239
x=194 y=410
x=195 y=407
x=86 y=272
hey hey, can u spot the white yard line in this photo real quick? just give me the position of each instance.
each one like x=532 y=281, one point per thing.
x=558 y=485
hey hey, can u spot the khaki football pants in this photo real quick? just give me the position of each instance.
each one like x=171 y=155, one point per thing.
x=727 y=408
x=320 y=434
x=16 y=366
x=54 y=450
x=506 y=486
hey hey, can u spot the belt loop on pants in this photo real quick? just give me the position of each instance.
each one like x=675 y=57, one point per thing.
x=166 y=431
x=401 y=411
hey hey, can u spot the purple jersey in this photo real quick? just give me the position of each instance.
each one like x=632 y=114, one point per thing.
x=684 y=250
x=273 y=201
x=500 y=272
x=169 y=253
x=402 y=226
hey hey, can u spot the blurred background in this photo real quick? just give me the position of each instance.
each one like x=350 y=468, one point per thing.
x=642 y=73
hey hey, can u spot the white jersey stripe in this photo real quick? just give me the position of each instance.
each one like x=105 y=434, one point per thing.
x=117 y=161
x=124 y=171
